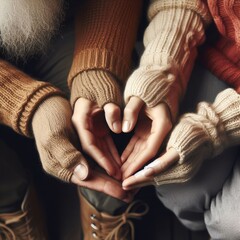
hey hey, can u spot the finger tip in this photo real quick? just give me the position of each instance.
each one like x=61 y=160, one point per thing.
x=125 y=186
x=81 y=172
x=116 y=127
x=126 y=126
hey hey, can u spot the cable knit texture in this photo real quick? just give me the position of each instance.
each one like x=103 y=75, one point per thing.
x=105 y=36
x=204 y=135
x=55 y=138
x=19 y=98
x=176 y=28
x=96 y=86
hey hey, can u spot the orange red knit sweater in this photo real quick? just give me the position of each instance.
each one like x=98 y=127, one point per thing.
x=223 y=58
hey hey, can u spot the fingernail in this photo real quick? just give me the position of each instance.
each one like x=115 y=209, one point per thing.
x=81 y=171
x=126 y=126
x=116 y=126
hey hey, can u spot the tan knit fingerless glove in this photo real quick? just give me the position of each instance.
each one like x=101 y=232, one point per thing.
x=175 y=30
x=204 y=135
x=97 y=86
x=56 y=139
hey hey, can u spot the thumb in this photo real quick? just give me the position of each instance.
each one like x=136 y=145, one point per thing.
x=81 y=171
x=131 y=112
x=113 y=117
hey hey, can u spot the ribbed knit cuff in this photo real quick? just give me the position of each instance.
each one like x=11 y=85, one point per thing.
x=178 y=173
x=227 y=109
x=210 y=131
x=98 y=59
x=150 y=83
x=20 y=96
x=96 y=86
x=194 y=5
x=23 y=124
x=190 y=138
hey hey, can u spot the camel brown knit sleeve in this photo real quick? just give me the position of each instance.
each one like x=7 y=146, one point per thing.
x=105 y=36
x=175 y=30
x=203 y=135
x=20 y=95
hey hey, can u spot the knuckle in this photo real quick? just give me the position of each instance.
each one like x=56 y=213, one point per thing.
x=129 y=111
x=74 y=119
x=113 y=111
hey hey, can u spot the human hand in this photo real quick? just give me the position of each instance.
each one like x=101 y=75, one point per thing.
x=197 y=137
x=92 y=124
x=152 y=126
x=146 y=176
x=57 y=141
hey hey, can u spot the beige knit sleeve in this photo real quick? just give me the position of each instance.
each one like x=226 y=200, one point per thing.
x=20 y=95
x=203 y=135
x=175 y=30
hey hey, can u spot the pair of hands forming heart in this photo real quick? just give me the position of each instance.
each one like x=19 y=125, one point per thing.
x=93 y=126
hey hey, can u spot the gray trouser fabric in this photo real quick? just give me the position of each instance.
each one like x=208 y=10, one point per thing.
x=210 y=200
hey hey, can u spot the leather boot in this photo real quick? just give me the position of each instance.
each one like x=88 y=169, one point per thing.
x=24 y=224
x=102 y=226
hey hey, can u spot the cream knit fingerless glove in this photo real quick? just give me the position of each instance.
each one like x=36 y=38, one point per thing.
x=203 y=135
x=175 y=30
x=97 y=86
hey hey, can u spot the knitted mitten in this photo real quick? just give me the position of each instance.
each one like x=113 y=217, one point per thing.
x=176 y=28
x=55 y=138
x=97 y=86
x=203 y=135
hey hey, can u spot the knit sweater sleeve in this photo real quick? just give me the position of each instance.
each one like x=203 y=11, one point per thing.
x=20 y=96
x=175 y=30
x=105 y=36
x=203 y=135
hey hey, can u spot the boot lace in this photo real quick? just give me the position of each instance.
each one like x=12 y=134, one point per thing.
x=118 y=227
x=16 y=226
